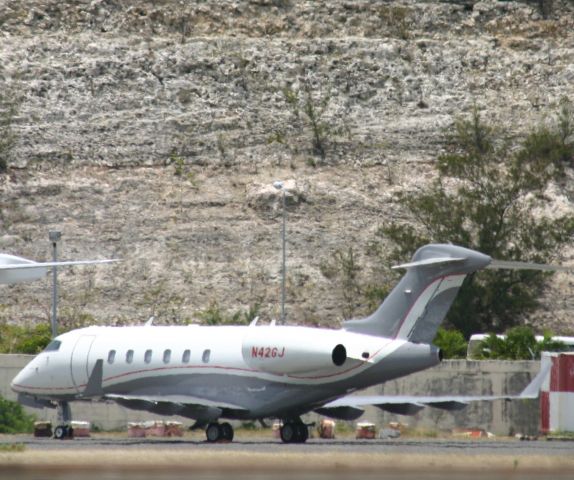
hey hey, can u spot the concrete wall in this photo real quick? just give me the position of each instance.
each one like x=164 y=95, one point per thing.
x=462 y=377
x=457 y=377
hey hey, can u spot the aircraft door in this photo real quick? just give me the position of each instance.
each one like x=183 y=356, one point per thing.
x=79 y=361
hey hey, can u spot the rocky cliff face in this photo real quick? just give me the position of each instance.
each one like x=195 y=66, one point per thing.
x=152 y=131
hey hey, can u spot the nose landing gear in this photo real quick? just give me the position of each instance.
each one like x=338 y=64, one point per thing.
x=62 y=432
x=64 y=428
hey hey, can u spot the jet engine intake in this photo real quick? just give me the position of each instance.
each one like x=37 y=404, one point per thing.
x=339 y=355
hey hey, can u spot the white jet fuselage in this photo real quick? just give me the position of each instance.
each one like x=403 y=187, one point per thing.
x=246 y=372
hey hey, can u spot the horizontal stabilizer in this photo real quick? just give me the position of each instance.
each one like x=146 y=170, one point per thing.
x=429 y=261
x=510 y=265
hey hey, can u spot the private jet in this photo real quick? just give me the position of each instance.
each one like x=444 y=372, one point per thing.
x=213 y=374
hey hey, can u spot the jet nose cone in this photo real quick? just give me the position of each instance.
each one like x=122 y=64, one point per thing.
x=17 y=382
x=21 y=382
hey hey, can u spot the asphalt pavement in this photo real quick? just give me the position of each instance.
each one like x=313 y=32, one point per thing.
x=440 y=446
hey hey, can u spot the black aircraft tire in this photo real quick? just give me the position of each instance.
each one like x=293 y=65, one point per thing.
x=213 y=432
x=226 y=432
x=60 y=432
x=288 y=433
x=302 y=433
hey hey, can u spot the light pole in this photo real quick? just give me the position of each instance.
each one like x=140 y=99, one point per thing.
x=280 y=186
x=54 y=237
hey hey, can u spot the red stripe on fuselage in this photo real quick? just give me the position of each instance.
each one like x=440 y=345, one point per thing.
x=202 y=367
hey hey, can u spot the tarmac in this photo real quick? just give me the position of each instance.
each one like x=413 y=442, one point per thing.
x=116 y=456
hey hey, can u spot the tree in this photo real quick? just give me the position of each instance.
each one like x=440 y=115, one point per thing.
x=451 y=343
x=489 y=195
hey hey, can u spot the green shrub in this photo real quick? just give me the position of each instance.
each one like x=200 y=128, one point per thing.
x=13 y=418
x=519 y=344
x=18 y=339
x=214 y=315
x=314 y=109
x=451 y=342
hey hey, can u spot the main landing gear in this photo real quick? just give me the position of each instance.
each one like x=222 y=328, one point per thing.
x=216 y=432
x=62 y=432
x=294 y=432
x=64 y=428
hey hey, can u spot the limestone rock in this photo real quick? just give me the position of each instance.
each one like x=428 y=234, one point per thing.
x=268 y=197
x=153 y=131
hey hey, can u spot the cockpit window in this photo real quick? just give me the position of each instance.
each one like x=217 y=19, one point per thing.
x=53 y=346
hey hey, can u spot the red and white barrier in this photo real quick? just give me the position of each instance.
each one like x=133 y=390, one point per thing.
x=557 y=393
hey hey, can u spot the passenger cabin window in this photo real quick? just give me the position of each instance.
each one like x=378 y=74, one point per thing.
x=166 y=356
x=147 y=356
x=53 y=346
x=129 y=356
x=185 y=357
x=111 y=356
x=205 y=356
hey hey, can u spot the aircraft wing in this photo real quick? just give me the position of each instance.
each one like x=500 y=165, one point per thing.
x=178 y=399
x=349 y=407
x=17 y=269
x=200 y=409
x=39 y=265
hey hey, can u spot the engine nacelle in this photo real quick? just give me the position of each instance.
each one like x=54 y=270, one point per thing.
x=292 y=350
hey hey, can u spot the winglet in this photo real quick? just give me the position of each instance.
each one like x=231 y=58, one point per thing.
x=94 y=386
x=533 y=388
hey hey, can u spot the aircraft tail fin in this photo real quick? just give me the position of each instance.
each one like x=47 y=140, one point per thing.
x=418 y=304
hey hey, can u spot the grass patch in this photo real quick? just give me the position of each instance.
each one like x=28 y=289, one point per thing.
x=12 y=447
